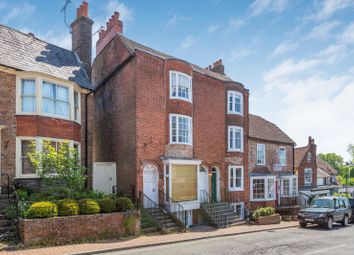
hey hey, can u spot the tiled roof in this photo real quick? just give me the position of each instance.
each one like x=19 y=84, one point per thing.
x=132 y=45
x=26 y=53
x=300 y=153
x=326 y=167
x=262 y=129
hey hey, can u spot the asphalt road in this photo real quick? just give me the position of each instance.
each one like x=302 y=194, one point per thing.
x=312 y=240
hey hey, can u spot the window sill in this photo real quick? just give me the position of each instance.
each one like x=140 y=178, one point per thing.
x=181 y=98
x=188 y=144
x=46 y=115
x=236 y=189
x=262 y=199
x=235 y=113
x=229 y=150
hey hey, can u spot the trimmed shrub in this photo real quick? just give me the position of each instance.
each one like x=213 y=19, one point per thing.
x=88 y=206
x=68 y=207
x=22 y=194
x=107 y=205
x=42 y=210
x=123 y=204
x=262 y=212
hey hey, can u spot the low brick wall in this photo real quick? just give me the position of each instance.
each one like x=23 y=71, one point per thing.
x=273 y=219
x=62 y=230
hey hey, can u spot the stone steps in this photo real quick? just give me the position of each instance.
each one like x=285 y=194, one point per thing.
x=166 y=223
x=221 y=215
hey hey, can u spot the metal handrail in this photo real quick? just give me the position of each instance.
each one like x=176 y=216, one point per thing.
x=150 y=204
x=174 y=208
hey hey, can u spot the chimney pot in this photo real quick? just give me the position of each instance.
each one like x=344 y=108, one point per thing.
x=218 y=67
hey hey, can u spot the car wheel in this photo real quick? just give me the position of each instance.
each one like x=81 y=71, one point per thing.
x=329 y=224
x=345 y=221
x=303 y=224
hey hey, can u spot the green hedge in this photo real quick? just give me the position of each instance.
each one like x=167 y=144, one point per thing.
x=262 y=212
x=42 y=210
x=68 y=207
x=123 y=204
x=107 y=205
x=89 y=206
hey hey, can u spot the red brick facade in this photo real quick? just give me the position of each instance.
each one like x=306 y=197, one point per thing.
x=132 y=116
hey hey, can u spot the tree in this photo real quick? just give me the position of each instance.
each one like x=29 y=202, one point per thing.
x=351 y=152
x=60 y=169
x=336 y=161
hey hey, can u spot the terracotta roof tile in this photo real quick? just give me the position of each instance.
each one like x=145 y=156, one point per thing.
x=262 y=129
x=326 y=167
x=300 y=154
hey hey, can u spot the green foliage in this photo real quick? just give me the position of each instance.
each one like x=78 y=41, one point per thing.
x=336 y=161
x=89 y=206
x=23 y=207
x=10 y=212
x=40 y=197
x=107 y=205
x=342 y=195
x=262 y=212
x=351 y=151
x=90 y=194
x=129 y=224
x=42 y=210
x=22 y=194
x=68 y=207
x=123 y=204
x=147 y=221
x=60 y=170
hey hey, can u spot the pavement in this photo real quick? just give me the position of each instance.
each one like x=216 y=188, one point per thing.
x=313 y=240
x=197 y=233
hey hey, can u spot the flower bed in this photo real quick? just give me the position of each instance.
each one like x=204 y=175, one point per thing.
x=69 y=229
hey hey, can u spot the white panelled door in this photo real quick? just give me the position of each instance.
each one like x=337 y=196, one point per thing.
x=104 y=176
x=150 y=185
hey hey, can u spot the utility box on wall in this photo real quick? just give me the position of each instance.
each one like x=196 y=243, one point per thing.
x=104 y=177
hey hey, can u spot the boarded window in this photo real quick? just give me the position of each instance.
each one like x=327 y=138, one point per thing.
x=184 y=182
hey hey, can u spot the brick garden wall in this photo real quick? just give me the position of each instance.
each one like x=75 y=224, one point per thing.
x=61 y=230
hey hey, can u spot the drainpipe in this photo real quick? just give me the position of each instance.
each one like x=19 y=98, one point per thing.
x=86 y=135
x=1 y=128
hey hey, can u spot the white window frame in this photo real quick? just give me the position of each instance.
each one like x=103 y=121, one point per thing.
x=280 y=149
x=39 y=147
x=234 y=94
x=190 y=93
x=292 y=190
x=38 y=107
x=28 y=95
x=263 y=159
x=233 y=170
x=190 y=120
x=55 y=100
x=266 y=188
x=233 y=148
x=306 y=182
x=242 y=208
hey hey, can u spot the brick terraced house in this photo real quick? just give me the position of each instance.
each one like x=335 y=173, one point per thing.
x=271 y=165
x=45 y=94
x=177 y=132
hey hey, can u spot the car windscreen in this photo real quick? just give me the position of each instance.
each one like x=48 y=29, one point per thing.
x=322 y=203
x=351 y=202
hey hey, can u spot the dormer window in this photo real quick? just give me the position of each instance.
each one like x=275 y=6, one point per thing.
x=309 y=156
x=180 y=86
x=234 y=102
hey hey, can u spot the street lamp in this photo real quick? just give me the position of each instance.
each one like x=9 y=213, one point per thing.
x=349 y=164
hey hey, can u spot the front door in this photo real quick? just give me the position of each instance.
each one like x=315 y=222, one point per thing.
x=214 y=186
x=203 y=183
x=150 y=186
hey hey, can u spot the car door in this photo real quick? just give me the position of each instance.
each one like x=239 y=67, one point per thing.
x=337 y=210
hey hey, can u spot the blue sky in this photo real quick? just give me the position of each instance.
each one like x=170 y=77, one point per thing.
x=295 y=56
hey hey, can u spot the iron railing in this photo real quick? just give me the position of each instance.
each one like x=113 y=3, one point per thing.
x=11 y=190
x=174 y=208
x=290 y=200
x=150 y=207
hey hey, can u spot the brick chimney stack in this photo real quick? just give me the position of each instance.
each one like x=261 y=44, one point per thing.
x=218 y=67
x=113 y=26
x=82 y=36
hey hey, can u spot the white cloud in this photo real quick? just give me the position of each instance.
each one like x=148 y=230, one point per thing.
x=188 y=42
x=241 y=53
x=347 y=37
x=327 y=8
x=172 y=21
x=16 y=10
x=259 y=7
x=212 y=29
x=323 y=30
x=290 y=67
x=126 y=13
x=282 y=48
x=237 y=22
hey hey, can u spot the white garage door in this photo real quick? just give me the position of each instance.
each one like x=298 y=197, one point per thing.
x=104 y=176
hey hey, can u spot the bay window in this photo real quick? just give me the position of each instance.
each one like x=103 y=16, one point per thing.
x=26 y=146
x=234 y=102
x=28 y=96
x=263 y=188
x=288 y=186
x=180 y=86
x=36 y=96
x=235 y=138
x=180 y=129
x=236 y=178
x=261 y=156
